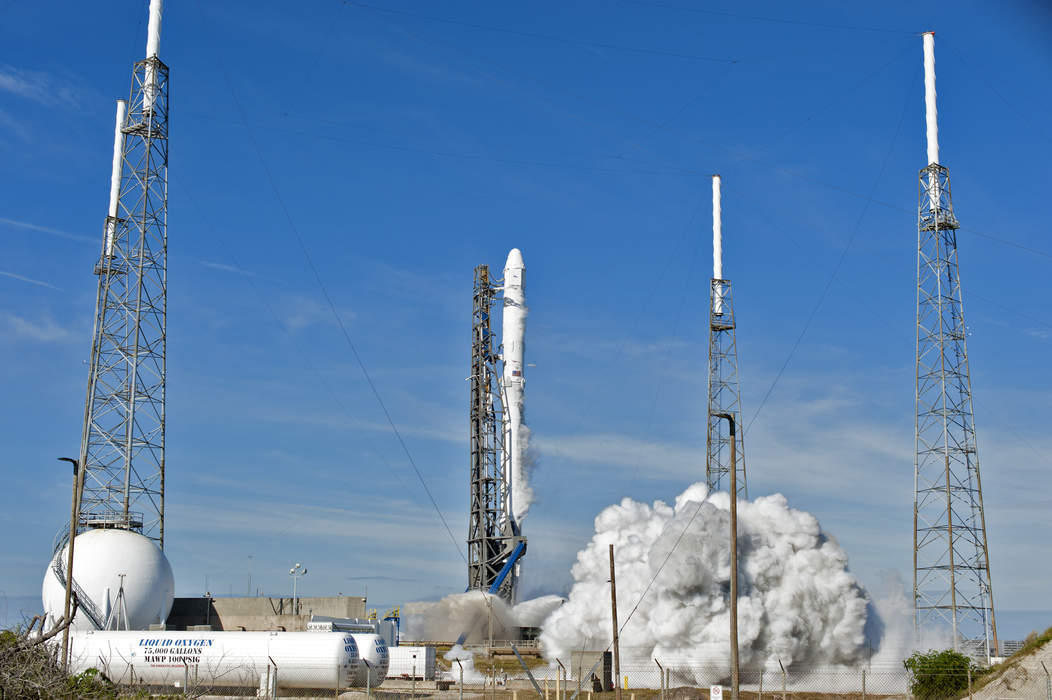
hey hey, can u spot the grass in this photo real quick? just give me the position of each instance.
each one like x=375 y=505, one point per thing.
x=1032 y=644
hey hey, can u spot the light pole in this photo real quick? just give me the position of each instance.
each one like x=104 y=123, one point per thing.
x=734 y=556
x=74 y=516
x=296 y=572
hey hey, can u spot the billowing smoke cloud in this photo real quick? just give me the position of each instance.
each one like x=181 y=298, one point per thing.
x=473 y=614
x=798 y=602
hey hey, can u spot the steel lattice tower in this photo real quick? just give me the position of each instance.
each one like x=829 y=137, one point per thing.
x=492 y=535
x=952 y=586
x=724 y=394
x=122 y=443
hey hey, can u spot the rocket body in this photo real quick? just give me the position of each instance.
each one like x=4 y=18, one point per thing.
x=513 y=335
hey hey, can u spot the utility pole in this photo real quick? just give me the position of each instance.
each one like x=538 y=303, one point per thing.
x=613 y=612
x=734 y=560
x=74 y=517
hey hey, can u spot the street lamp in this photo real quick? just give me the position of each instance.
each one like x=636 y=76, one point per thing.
x=296 y=572
x=734 y=554
x=74 y=516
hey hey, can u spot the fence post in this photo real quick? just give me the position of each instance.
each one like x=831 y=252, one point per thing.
x=863 y=683
x=461 y=678
x=414 y=680
x=661 y=678
x=783 y=678
x=546 y=687
x=1048 y=682
x=969 y=680
x=760 y=695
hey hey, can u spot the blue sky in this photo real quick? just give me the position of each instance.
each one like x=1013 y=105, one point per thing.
x=410 y=142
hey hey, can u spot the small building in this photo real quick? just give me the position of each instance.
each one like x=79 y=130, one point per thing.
x=260 y=614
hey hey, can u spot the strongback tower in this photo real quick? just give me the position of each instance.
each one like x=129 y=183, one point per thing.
x=952 y=588
x=494 y=541
x=122 y=443
x=724 y=394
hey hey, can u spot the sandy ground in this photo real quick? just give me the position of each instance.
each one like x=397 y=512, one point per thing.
x=1027 y=679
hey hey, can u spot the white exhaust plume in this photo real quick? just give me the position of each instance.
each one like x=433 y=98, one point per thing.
x=798 y=602
x=513 y=335
x=717 y=243
x=473 y=614
x=115 y=176
x=153 y=48
x=930 y=112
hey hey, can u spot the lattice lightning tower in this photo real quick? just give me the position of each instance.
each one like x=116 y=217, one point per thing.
x=952 y=588
x=724 y=392
x=492 y=535
x=122 y=443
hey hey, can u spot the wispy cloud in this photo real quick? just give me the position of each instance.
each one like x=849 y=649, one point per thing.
x=44 y=330
x=223 y=267
x=656 y=458
x=300 y=312
x=46 y=229
x=40 y=87
x=15 y=126
x=30 y=280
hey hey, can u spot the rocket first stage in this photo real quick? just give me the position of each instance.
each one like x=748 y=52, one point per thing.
x=513 y=335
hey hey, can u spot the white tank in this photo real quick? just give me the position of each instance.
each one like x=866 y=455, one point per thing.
x=100 y=557
x=219 y=659
x=375 y=659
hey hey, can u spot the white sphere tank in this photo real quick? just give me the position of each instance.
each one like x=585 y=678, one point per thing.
x=100 y=558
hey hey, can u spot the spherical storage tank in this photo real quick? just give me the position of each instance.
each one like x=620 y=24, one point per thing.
x=100 y=558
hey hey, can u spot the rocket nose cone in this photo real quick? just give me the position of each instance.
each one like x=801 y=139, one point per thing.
x=514 y=259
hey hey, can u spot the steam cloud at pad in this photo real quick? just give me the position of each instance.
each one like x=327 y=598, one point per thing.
x=798 y=603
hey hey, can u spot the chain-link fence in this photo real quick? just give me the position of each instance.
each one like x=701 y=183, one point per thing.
x=584 y=676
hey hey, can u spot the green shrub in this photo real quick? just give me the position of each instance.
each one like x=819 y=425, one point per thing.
x=936 y=675
x=91 y=684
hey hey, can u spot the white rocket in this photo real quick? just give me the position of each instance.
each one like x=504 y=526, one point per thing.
x=513 y=335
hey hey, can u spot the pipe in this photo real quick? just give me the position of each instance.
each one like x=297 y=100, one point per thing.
x=930 y=111
x=115 y=176
x=515 y=555
x=717 y=243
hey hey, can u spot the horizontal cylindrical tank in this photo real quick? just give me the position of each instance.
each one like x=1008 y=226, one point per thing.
x=220 y=659
x=120 y=576
x=372 y=649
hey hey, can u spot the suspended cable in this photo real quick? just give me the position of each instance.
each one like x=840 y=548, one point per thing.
x=537 y=35
x=836 y=268
x=338 y=318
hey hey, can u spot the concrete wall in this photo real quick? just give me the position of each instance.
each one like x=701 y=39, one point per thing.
x=259 y=614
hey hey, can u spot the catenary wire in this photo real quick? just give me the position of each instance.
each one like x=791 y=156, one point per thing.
x=836 y=268
x=537 y=35
x=338 y=318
